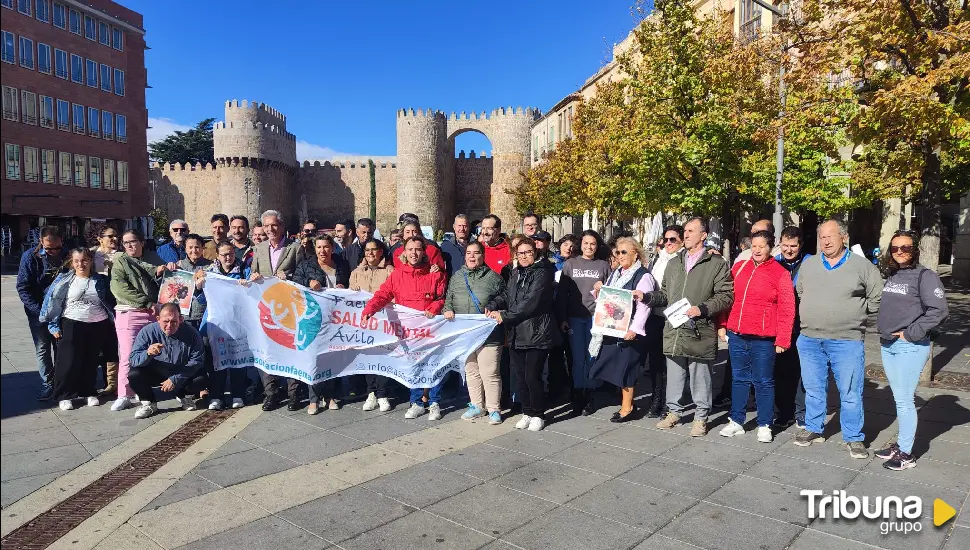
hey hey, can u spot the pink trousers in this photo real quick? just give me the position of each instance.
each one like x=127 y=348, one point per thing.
x=127 y=325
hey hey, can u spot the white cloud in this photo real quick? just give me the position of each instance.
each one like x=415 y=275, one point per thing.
x=159 y=128
x=310 y=151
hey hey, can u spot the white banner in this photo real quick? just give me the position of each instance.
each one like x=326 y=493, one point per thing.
x=289 y=330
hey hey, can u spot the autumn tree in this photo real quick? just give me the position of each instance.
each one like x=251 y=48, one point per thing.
x=907 y=64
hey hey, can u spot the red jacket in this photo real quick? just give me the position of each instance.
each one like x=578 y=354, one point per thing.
x=431 y=250
x=764 y=301
x=498 y=256
x=413 y=287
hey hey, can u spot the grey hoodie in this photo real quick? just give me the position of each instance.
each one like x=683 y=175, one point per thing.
x=913 y=301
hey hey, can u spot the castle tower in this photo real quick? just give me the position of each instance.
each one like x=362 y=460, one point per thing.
x=422 y=164
x=257 y=161
x=510 y=134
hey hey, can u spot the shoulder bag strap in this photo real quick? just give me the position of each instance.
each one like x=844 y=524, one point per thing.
x=478 y=304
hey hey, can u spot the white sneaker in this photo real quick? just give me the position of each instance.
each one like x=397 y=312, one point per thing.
x=237 y=403
x=188 y=403
x=434 y=412
x=215 y=405
x=414 y=411
x=371 y=402
x=384 y=404
x=93 y=401
x=146 y=409
x=536 y=424
x=764 y=434
x=732 y=429
x=123 y=403
x=66 y=405
x=523 y=422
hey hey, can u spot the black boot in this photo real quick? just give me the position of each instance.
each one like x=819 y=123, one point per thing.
x=589 y=407
x=270 y=403
x=656 y=405
x=578 y=400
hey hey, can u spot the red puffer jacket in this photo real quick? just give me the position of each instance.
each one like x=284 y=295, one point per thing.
x=764 y=301
x=433 y=251
x=413 y=287
x=498 y=256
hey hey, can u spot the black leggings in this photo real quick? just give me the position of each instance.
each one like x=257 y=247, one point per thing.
x=656 y=362
x=78 y=355
x=528 y=365
x=377 y=384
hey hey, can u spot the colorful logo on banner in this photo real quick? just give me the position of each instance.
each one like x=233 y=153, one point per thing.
x=290 y=316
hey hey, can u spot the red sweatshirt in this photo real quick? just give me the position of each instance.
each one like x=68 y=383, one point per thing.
x=498 y=256
x=764 y=301
x=413 y=287
x=432 y=251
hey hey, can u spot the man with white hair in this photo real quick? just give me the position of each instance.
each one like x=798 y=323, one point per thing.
x=276 y=256
x=837 y=291
x=174 y=251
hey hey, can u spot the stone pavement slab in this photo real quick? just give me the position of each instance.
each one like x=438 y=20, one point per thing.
x=346 y=514
x=569 y=528
x=492 y=508
x=263 y=534
x=635 y=505
x=710 y=526
x=418 y=531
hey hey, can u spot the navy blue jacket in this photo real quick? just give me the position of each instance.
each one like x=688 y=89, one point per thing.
x=36 y=273
x=171 y=253
x=454 y=253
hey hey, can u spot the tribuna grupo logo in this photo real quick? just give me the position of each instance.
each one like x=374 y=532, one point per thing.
x=895 y=514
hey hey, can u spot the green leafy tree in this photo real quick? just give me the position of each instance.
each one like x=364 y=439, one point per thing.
x=192 y=146
x=373 y=189
x=160 y=219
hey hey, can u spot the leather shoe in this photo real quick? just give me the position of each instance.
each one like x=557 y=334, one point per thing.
x=617 y=418
x=293 y=405
x=270 y=403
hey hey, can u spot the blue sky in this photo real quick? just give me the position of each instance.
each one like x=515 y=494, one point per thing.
x=340 y=70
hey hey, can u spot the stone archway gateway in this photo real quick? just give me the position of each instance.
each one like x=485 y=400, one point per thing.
x=429 y=175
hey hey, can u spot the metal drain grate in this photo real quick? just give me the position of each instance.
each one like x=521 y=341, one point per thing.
x=53 y=524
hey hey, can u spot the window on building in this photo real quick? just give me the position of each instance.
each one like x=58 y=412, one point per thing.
x=119 y=82
x=31 y=164
x=77 y=69
x=105 y=78
x=75 y=21
x=44 y=11
x=107 y=125
x=552 y=136
x=104 y=33
x=92 y=72
x=60 y=16
x=47 y=111
x=64 y=162
x=9 y=55
x=28 y=102
x=559 y=122
x=122 y=175
x=535 y=149
x=43 y=58
x=109 y=174
x=90 y=29
x=60 y=63
x=117 y=38
x=47 y=169
x=121 y=128
x=12 y=156
x=63 y=115
x=95 y=163
x=749 y=20
x=23 y=6
x=78 y=119
x=26 y=53
x=7 y=4
x=94 y=122
x=80 y=170
x=11 y=104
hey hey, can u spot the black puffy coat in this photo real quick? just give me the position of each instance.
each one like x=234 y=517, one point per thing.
x=527 y=308
x=309 y=270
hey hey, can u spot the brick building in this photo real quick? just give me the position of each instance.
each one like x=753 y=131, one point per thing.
x=74 y=117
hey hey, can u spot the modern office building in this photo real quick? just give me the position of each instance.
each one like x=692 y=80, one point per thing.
x=74 y=117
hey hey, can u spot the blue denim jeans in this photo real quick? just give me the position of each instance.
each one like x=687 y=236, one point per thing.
x=847 y=360
x=434 y=395
x=752 y=364
x=580 y=335
x=903 y=362
x=44 y=348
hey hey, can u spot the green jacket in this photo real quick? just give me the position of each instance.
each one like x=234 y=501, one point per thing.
x=133 y=281
x=708 y=286
x=486 y=284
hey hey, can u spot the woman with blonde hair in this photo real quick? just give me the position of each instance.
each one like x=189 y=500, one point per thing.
x=618 y=360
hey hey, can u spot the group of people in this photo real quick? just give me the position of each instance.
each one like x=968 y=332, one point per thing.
x=788 y=318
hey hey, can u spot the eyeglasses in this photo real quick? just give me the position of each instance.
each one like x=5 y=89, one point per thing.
x=130 y=243
x=672 y=239
x=621 y=252
x=525 y=253
x=229 y=254
x=307 y=231
x=110 y=236
x=179 y=229
x=53 y=248
x=905 y=249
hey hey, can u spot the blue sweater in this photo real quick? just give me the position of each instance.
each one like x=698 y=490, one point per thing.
x=182 y=353
x=171 y=253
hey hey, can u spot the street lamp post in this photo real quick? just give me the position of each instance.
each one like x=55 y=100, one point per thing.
x=782 y=13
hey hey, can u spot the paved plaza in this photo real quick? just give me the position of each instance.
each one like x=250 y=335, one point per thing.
x=350 y=479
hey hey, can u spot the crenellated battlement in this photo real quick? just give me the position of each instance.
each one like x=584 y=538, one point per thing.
x=349 y=163
x=530 y=112
x=176 y=167
x=254 y=111
x=420 y=113
x=258 y=126
x=472 y=155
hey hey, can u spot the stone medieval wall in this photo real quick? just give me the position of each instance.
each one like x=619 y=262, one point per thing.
x=473 y=182
x=188 y=192
x=341 y=189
